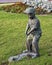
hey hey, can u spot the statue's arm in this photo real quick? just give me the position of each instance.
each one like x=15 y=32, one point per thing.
x=34 y=28
x=27 y=28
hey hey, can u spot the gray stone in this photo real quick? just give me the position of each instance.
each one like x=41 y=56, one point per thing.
x=21 y=56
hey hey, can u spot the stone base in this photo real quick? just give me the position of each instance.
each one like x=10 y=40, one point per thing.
x=21 y=56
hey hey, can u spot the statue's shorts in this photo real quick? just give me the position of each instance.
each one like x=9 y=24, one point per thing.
x=32 y=43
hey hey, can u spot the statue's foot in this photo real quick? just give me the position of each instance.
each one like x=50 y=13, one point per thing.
x=25 y=51
x=38 y=55
x=35 y=55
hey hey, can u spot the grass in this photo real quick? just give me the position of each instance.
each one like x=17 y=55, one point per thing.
x=12 y=38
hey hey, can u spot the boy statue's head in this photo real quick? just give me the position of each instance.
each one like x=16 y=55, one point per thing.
x=31 y=12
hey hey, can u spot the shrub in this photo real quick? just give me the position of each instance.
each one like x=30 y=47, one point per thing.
x=39 y=10
x=15 y=8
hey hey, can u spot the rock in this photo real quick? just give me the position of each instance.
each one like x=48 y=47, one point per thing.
x=21 y=56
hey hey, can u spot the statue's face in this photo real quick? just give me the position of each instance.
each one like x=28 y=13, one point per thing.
x=31 y=15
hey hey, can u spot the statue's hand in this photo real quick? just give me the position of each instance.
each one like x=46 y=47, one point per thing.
x=28 y=33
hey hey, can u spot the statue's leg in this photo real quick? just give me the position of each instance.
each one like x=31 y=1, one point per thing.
x=29 y=44
x=35 y=46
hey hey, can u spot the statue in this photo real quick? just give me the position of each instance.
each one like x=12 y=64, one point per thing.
x=33 y=32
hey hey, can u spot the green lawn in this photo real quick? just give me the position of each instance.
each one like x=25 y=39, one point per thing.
x=12 y=38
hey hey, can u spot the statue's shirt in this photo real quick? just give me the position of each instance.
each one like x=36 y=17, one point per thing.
x=34 y=23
